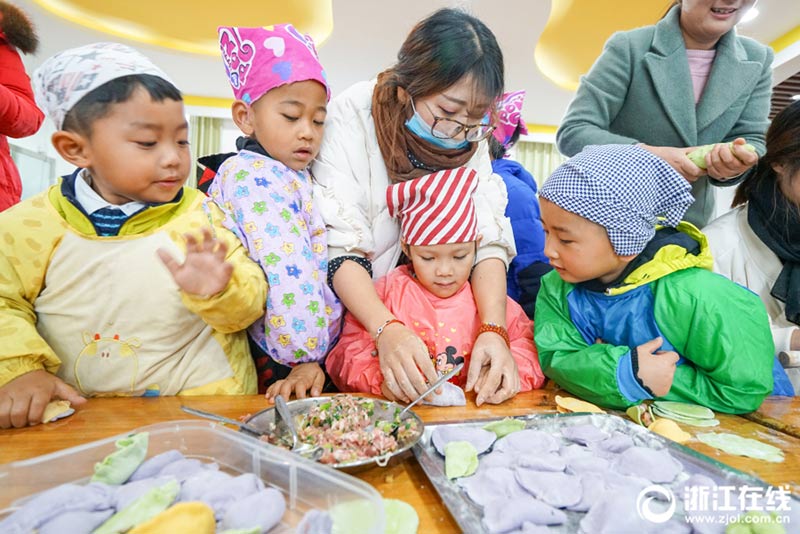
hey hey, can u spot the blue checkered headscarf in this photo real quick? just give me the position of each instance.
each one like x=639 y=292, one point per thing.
x=623 y=188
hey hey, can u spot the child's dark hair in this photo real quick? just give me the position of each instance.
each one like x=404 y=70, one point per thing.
x=496 y=148
x=444 y=48
x=96 y=104
x=783 y=148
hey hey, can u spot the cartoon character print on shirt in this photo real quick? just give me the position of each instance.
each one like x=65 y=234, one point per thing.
x=106 y=356
x=447 y=360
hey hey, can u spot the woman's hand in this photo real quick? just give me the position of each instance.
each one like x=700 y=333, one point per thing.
x=204 y=272
x=724 y=163
x=676 y=157
x=493 y=372
x=402 y=355
x=302 y=378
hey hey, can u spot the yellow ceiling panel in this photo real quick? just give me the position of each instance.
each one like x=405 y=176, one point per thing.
x=191 y=26
x=577 y=29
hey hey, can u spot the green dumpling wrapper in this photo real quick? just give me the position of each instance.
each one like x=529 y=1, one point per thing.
x=684 y=409
x=505 y=426
x=460 y=459
x=142 y=509
x=401 y=518
x=733 y=444
x=118 y=466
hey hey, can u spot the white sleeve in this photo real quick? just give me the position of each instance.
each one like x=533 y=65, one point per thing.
x=491 y=199
x=342 y=181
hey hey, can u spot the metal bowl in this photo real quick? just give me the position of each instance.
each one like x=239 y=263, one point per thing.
x=384 y=410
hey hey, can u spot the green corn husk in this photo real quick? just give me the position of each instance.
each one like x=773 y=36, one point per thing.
x=698 y=155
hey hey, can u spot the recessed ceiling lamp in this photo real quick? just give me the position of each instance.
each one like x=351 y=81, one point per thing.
x=749 y=15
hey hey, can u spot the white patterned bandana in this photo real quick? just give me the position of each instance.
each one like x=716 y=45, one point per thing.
x=61 y=81
x=623 y=188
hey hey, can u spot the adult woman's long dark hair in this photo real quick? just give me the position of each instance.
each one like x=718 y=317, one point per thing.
x=783 y=148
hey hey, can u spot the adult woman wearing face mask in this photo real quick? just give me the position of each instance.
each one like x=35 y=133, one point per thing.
x=687 y=81
x=428 y=112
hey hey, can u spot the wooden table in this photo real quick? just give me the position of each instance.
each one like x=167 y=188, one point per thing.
x=101 y=418
x=780 y=413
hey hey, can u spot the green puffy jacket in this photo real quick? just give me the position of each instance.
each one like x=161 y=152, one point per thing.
x=719 y=329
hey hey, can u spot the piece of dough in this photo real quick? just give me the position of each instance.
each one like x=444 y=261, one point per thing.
x=57 y=410
x=670 y=430
x=733 y=444
x=460 y=459
x=479 y=438
x=571 y=404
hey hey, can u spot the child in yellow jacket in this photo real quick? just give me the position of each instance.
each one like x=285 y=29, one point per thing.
x=118 y=280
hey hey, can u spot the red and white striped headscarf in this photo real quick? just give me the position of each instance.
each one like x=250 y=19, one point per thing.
x=437 y=208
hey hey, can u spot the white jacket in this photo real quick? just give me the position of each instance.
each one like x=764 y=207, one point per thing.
x=350 y=181
x=740 y=255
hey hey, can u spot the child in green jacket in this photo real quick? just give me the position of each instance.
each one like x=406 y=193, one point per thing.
x=632 y=310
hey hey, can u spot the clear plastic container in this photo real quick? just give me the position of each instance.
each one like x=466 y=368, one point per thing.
x=307 y=485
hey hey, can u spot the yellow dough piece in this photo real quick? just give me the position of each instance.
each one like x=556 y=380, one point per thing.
x=670 y=430
x=570 y=404
x=195 y=517
x=54 y=409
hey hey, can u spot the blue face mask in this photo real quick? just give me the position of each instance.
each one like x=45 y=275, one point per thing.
x=417 y=125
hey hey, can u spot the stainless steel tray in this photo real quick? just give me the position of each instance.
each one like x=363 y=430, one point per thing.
x=468 y=514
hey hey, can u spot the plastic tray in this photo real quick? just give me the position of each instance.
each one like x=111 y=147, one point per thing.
x=306 y=485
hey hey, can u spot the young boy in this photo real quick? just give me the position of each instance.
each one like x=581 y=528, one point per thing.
x=85 y=302
x=632 y=311
x=433 y=296
x=265 y=190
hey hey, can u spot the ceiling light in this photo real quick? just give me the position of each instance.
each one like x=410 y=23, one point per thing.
x=795 y=97
x=749 y=15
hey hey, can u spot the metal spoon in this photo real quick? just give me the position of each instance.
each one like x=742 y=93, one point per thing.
x=442 y=379
x=222 y=419
x=307 y=451
x=284 y=416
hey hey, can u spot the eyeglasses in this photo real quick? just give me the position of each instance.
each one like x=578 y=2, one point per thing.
x=445 y=128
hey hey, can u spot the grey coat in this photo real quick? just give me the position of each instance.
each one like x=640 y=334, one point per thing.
x=640 y=91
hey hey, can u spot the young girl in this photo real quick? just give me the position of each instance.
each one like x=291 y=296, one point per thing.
x=432 y=296
x=281 y=96
x=426 y=113
x=84 y=303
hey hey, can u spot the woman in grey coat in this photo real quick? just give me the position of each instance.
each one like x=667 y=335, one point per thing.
x=686 y=81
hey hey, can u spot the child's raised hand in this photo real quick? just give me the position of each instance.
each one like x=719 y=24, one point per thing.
x=205 y=271
x=23 y=400
x=302 y=378
x=656 y=368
